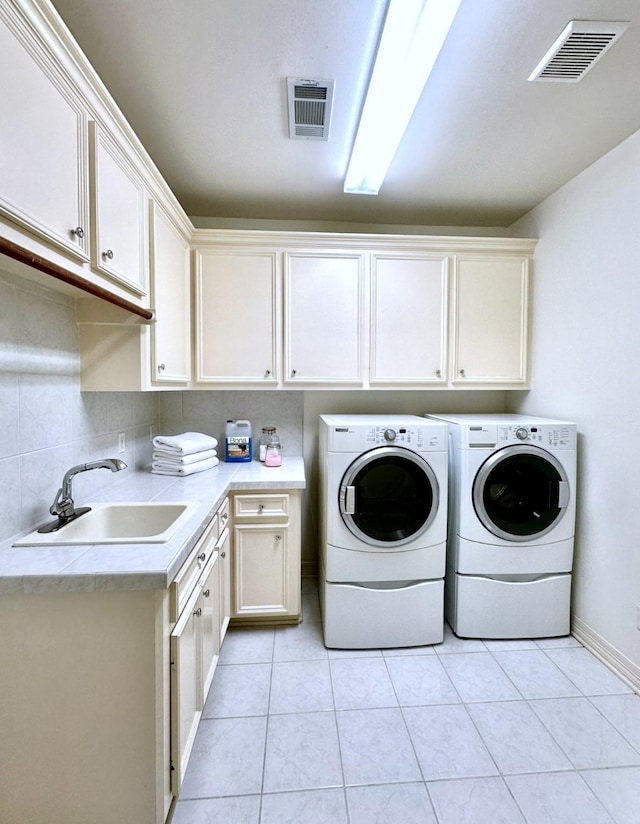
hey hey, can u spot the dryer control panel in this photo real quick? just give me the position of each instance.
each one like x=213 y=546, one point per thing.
x=560 y=436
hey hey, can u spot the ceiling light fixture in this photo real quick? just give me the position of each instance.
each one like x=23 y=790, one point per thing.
x=412 y=36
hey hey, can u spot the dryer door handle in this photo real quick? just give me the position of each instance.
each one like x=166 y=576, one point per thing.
x=348 y=500
x=563 y=494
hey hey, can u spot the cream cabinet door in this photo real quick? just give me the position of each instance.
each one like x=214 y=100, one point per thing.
x=171 y=300
x=118 y=207
x=262 y=570
x=324 y=325
x=186 y=707
x=208 y=613
x=408 y=319
x=43 y=144
x=237 y=297
x=489 y=341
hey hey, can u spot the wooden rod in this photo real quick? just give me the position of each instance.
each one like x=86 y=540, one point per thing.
x=23 y=255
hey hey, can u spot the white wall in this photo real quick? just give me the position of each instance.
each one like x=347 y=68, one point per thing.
x=586 y=352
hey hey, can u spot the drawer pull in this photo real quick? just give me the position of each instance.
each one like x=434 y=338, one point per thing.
x=278 y=537
x=198 y=612
x=260 y=507
x=223 y=554
x=202 y=557
x=207 y=593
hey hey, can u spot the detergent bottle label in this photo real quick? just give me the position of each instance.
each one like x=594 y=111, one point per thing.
x=238 y=448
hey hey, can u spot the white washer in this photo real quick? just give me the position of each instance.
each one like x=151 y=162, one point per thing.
x=383 y=526
x=512 y=499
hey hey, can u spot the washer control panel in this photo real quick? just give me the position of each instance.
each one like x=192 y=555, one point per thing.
x=351 y=434
x=396 y=436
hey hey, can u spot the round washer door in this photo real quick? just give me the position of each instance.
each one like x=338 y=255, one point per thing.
x=388 y=497
x=520 y=492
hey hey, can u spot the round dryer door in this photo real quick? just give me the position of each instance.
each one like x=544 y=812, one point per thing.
x=520 y=493
x=388 y=497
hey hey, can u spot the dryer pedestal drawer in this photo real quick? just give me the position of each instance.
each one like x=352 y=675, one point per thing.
x=361 y=617
x=479 y=607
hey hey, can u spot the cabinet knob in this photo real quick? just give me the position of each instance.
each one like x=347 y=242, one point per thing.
x=161 y=367
x=267 y=373
x=293 y=373
x=223 y=554
x=202 y=557
x=207 y=593
x=260 y=507
x=462 y=374
x=278 y=537
x=78 y=232
x=438 y=373
x=198 y=612
x=108 y=254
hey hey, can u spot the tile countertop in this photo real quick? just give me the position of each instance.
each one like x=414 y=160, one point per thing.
x=138 y=566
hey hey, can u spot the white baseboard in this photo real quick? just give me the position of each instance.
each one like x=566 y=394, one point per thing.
x=607 y=653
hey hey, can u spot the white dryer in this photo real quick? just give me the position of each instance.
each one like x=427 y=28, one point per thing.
x=512 y=499
x=383 y=524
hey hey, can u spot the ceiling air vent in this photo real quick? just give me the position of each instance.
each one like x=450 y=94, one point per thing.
x=581 y=44
x=310 y=103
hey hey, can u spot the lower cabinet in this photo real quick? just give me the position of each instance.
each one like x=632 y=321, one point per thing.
x=102 y=691
x=85 y=711
x=198 y=596
x=266 y=557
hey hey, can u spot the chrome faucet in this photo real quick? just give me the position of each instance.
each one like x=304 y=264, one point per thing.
x=63 y=506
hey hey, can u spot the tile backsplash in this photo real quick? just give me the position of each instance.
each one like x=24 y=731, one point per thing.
x=208 y=411
x=46 y=423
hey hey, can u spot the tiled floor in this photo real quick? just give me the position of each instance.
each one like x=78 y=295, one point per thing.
x=497 y=732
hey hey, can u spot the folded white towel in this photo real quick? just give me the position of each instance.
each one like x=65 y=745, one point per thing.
x=185 y=444
x=173 y=459
x=189 y=469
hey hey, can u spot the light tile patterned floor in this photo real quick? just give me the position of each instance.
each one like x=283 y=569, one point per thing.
x=466 y=732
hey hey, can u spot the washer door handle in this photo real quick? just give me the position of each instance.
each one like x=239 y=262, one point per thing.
x=348 y=500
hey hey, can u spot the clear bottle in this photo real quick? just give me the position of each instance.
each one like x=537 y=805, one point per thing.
x=267 y=432
x=273 y=455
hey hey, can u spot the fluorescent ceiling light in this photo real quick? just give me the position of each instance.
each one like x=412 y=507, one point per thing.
x=412 y=36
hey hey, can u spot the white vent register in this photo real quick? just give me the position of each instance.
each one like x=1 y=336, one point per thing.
x=578 y=48
x=310 y=103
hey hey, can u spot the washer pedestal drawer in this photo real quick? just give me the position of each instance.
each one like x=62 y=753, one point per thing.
x=357 y=616
x=480 y=607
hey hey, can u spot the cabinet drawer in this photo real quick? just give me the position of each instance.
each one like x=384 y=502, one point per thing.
x=187 y=578
x=261 y=507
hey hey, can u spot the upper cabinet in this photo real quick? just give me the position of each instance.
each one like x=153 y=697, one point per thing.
x=237 y=316
x=489 y=321
x=43 y=140
x=349 y=311
x=324 y=317
x=118 y=210
x=408 y=319
x=170 y=298
x=75 y=181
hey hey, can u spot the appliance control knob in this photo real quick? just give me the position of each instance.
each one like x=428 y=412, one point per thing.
x=389 y=435
x=521 y=433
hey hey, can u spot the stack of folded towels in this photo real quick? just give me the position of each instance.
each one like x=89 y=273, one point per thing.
x=183 y=454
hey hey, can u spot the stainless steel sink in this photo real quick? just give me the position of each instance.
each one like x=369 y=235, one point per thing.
x=121 y=523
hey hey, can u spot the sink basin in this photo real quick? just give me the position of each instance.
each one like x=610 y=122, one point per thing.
x=122 y=523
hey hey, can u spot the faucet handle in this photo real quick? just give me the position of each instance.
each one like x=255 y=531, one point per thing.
x=62 y=508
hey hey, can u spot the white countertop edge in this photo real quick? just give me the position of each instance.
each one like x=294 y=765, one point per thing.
x=87 y=568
